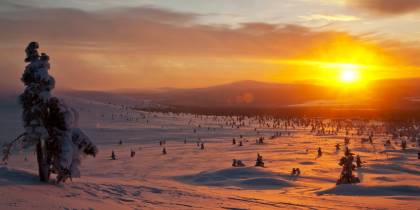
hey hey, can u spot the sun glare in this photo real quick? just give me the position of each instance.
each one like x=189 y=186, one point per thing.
x=345 y=73
x=349 y=73
x=342 y=64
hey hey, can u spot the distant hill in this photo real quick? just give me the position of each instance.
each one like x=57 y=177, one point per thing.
x=382 y=94
x=240 y=94
x=400 y=94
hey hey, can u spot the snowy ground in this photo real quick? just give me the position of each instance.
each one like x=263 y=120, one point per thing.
x=190 y=178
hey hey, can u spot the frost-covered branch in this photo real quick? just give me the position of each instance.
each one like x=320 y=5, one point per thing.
x=7 y=147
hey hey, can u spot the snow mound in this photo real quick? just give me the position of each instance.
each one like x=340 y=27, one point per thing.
x=15 y=176
x=244 y=178
x=359 y=190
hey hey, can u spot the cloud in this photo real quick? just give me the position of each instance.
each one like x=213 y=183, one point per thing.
x=387 y=7
x=341 y=18
x=151 y=14
x=151 y=47
x=152 y=30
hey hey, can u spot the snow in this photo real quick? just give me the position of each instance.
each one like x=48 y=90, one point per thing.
x=190 y=178
x=241 y=178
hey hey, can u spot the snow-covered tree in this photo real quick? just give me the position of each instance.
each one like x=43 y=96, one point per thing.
x=34 y=99
x=403 y=144
x=346 y=176
x=237 y=163
x=49 y=123
x=259 y=162
x=358 y=161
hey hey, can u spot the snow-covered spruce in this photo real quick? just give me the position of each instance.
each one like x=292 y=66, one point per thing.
x=259 y=162
x=49 y=123
x=36 y=95
x=346 y=176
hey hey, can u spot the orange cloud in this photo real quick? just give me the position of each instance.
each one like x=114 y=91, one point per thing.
x=152 y=30
x=387 y=7
x=152 y=47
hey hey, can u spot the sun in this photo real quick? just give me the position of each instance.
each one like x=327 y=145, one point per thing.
x=349 y=73
x=348 y=76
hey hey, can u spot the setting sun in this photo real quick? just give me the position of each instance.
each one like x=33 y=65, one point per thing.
x=349 y=74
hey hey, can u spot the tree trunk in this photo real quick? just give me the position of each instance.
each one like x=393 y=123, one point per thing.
x=43 y=163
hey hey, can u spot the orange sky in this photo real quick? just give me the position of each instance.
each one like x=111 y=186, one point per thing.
x=167 y=44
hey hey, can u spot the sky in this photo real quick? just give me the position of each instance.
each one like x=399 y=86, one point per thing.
x=141 y=44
